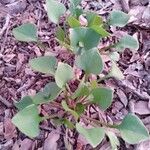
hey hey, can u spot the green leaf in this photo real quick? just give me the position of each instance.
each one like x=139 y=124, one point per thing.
x=63 y=74
x=127 y=42
x=27 y=121
x=24 y=102
x=103 y=97
x=94 y=135
x=95 y=22
x=76 y=12
x=80 y=108
x=113 y=140
x=60 y=34
x=44 y=64
x=81 y=91
x=50 y=92
x=68 y=123
x=115 y=72
x=66 y=108
x=85 y=36
x=55 y=10
x=133 y=130
x=118 y=18
x=100 y=30
x=114 y=56
x=73 y=22
x=90 y=61
x=93 y=84
x=26 y=33
x=75 y=2
x=94 y=19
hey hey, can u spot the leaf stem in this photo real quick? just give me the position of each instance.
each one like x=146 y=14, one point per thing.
x=103 y=78
x=40 y=44
x=97 y=122
x=49 y=117
x=106 y=48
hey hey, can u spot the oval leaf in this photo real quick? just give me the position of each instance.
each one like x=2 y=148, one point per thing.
x=100 y=30
x=63 y=74
x=113 y=140
x=118 y=18
x=73 y=22
x=103 y=97
x=88 y=37
x=115 y=72
x=26 y=33
x=24 y=102
x=75 y=2
x=133 y=130
x=90 y=61
x=60 y=34
x=127 y=42
x=27 y=121
x=44 y=64
x=94 y=19
x=55 y=10
x=94 y=135
x=114 y=56
x=50 y=92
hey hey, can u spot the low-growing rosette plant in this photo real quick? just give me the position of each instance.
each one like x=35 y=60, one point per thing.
x=81 y=33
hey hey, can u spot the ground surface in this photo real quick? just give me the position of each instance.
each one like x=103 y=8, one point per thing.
x=17 y=79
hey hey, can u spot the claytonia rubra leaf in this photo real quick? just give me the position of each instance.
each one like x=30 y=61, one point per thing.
x=103 y=97
x=118 y=18
x=93 y=135
x=83 y=37
x=60 y=34
x=127 y=42
x=63 y=74
x=133 y=130
x=90 y=61
x=115 y=72
x=49 y=93
x=24 y=102
x=26 y=33
x=44 y=64
x=27 y=121
x=75 y=2
x=55 y=9
x=113 y=140
x=73 y=22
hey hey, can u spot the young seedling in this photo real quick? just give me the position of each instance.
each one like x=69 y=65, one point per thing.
x=81 y=33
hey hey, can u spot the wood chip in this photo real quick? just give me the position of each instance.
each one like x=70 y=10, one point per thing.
x=141 y=108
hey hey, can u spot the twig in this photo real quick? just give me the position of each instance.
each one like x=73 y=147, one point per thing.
x=5 y=102
x=140 y=95
x=51 y=129
x=5 y=25
x=99 y=122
